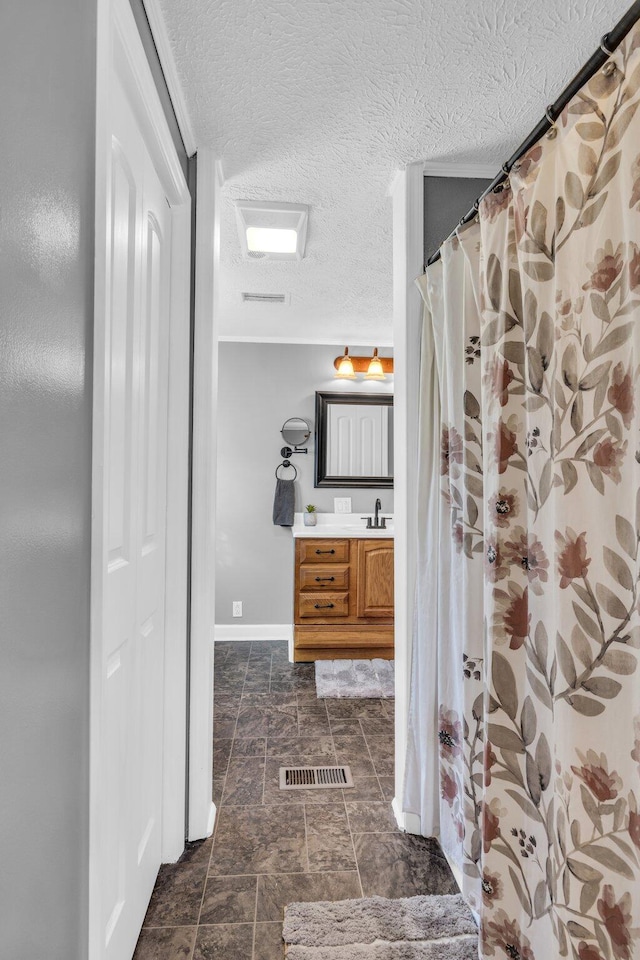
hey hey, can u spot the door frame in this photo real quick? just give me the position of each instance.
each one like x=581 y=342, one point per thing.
x=407 y=193
x=120 y=52
x=201 y=808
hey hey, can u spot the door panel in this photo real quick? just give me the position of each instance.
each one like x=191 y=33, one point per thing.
x=136 y=398
x=375 y=578
x=120 y=338
x=358 y=440
x=147 y=778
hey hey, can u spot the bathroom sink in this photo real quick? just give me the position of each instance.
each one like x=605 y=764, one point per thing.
x=363 y=526
x=337 y=525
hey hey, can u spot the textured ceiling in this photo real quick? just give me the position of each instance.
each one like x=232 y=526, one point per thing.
x=320 y=101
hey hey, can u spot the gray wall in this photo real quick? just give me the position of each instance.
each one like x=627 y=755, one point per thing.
x=47 y=130
x=260 y=386
x=446 y=200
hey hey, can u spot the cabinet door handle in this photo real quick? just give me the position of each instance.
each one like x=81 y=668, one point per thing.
x=321 y=606
x=325 y=551
x=320 y=579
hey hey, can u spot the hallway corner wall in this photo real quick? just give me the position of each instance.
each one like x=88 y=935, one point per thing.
x=47 y=199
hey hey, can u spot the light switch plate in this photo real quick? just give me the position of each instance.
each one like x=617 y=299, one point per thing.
x=342 y=504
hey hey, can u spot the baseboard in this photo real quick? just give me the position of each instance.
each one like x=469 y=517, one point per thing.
x=212 y=819
x=209 y=818
x=253 y=632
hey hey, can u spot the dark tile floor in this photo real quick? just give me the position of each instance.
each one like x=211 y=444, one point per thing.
x=225 y=897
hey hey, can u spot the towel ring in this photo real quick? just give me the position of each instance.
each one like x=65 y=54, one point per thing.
x=285 y=463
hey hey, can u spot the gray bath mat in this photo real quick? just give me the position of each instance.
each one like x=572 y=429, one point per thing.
x=355 y=678
x=412 y=928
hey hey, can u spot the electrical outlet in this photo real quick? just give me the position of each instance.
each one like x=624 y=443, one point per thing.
x=237 y=608
x=342 y=504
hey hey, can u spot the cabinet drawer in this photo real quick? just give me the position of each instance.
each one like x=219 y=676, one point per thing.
x=321 y=605
x=319 y=578
x=324 y=551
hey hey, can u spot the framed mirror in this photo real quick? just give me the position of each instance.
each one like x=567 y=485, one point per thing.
x=354 y=440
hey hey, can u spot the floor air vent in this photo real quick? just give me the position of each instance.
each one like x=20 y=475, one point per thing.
x=314 y=778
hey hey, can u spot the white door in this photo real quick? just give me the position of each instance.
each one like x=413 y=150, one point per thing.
x=135 y=498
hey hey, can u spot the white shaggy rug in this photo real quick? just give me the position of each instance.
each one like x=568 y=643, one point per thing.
x=355 y=678
x=374 y=928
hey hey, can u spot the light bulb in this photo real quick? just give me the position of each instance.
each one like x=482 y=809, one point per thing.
x=345 y=368
x=375 y=371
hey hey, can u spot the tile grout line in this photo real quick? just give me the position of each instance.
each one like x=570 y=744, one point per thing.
x=346 y=812
x=264 y=771
x=219 y=810
x=375 y=769
x=306 y=838
x=204 y=890
x=355 y=854
x=226 y=773
x=255 y=919
x=215 y=828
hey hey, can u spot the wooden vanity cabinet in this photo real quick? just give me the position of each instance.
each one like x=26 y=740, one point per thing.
x=343 y=603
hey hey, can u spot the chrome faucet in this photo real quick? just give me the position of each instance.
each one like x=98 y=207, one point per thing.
x=376 y=521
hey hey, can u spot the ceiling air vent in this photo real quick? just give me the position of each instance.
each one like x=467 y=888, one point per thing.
x=264 y=298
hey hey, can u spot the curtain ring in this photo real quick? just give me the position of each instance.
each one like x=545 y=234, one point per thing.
x=604 y=47
x=506 y=169
x=549 y=115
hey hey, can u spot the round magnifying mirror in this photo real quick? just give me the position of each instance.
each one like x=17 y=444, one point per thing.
x=296 y=431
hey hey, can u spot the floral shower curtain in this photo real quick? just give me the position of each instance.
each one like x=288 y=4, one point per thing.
x=535 y=317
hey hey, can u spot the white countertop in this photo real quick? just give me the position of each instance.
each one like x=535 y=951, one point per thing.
x=342 y=525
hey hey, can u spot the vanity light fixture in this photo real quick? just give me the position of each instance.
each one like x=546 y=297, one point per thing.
x=375 y=371
x=344 y=367
x=272 y=231
x=374 y=368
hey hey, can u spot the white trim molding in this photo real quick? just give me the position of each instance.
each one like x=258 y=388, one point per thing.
x=168 y=64
x=450 y=168
x=409 y=822
x=408 y=243
x=203 y=549
x=313 y=341
x=253 y=632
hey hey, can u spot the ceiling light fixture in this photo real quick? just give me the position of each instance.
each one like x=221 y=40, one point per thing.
x=273 y=231
x=374 y=368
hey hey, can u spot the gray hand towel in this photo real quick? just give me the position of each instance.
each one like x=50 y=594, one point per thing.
x=284 y=503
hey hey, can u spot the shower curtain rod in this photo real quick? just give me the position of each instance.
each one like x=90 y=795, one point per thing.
x=608 y=44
